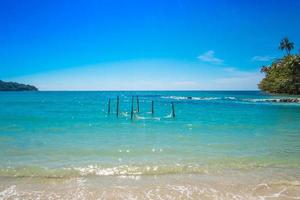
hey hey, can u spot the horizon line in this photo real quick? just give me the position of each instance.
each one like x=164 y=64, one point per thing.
x=139 y=91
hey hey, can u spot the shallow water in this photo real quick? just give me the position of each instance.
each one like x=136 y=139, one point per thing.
x=64 y=137
x=231 y=184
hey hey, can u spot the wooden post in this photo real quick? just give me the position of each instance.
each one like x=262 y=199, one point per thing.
x=138 y=104
x=152 y=107
x=173 y=110
x=108 y=109
x=118 y=102
x=131 y=116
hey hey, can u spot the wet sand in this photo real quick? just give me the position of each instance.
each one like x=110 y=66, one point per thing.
x=232 y=184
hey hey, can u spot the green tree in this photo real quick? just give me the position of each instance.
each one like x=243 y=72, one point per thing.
x=283 y=75
x=286 y=45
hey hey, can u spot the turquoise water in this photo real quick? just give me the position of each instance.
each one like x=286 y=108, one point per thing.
x=58 y=134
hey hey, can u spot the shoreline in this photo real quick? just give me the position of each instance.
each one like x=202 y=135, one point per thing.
x=257 y=184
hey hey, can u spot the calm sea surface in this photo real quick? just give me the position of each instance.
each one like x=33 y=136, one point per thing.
x=70 y=134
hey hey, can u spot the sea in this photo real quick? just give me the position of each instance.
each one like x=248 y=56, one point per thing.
x=150 y=145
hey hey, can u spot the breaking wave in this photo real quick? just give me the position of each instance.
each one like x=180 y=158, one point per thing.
x=97 y=170
x=236 y=99
x=136 y=170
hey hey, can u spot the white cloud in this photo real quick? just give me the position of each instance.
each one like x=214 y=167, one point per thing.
x=262 y=58
x=210 y=57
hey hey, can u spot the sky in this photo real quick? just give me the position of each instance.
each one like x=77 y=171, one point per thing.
x=143 y=44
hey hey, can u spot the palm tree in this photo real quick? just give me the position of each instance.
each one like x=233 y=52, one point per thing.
x=286 y=45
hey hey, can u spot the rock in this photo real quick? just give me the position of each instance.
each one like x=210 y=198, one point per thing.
x=290 y=100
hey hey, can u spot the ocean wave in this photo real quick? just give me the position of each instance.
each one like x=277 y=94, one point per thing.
x=135 y=170
x=230 y=98
x=97 y=170
x=261 y=100
x=275 y=100
x=191 y=98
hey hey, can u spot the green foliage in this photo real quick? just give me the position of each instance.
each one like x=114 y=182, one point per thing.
x=282 y=76
x=12 y=86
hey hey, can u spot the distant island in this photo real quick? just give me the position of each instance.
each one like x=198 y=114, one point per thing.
x=283 y=75
x=13 y=86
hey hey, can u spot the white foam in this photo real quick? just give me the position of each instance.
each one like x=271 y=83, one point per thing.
x=120 y=170
x=9 y=192
x=174 y=97
x=125 y=114
x=230 y=98
x=270 y=100
x=205 y=98
x=191 y=98
x=138 y=117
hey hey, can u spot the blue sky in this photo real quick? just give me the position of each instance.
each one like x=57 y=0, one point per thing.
x=141 y=45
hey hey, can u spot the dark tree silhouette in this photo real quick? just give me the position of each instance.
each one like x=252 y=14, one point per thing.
x=286 y=45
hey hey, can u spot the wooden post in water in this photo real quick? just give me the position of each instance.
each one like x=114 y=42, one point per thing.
x=138 y=104
x=152 y=107
x=131 y=114
x=118 y=102
x=173 y=110
x=108 y=109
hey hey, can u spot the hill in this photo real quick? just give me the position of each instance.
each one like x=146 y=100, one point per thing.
x=13 y=86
